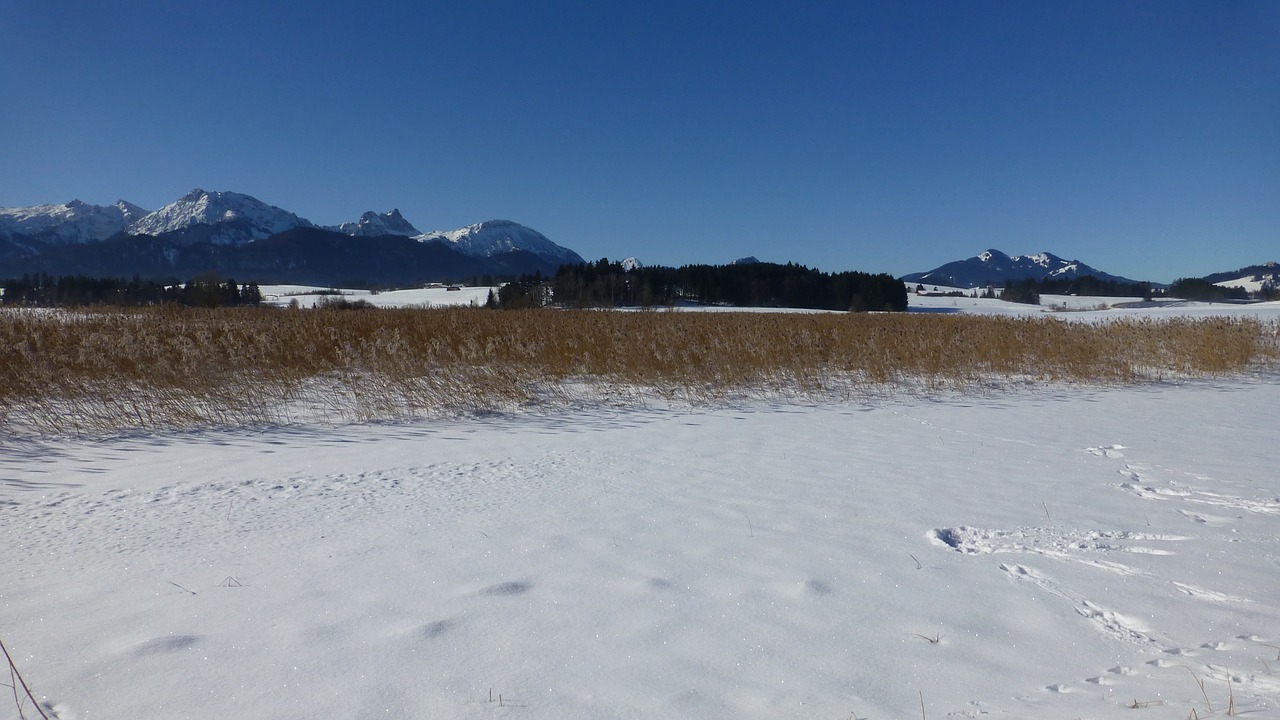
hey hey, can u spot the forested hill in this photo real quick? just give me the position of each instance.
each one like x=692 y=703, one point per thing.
x=608 y=284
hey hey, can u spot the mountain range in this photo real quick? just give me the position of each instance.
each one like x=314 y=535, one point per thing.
x=237 y=235
x=996 y=268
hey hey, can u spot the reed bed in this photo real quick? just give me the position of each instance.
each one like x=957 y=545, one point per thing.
x=102 y=371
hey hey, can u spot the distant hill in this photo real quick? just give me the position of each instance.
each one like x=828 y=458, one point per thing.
x=996 y=268
x=1251 y=278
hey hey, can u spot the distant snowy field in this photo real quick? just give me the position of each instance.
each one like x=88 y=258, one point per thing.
x=1066 y=306
x=309 y=296
x=1058 y=553
x=1072 y=307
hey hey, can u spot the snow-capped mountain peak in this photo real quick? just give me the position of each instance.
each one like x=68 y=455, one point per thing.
x=372 y=224
x=225 y=218
x=495 y=237
x=73 y=222
x=132 y=213
x=631 y=264
x=184 y=227
x=995 y=267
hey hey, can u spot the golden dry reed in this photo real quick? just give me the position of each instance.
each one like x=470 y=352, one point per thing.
x=101 y=371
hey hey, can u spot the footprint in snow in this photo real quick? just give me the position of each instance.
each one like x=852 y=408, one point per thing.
x=435 y=629
x=817 y=587
x=1211 y=595
x=57 y=711
x=1058 y=543
x=1207 y=519
x=165 y=644
x=518 y=587
x=1109 y=622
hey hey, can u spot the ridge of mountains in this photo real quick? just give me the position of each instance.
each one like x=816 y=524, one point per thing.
x=236 y=235
x=996 y=268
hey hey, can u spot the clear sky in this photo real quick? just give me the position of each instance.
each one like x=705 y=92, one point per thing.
x=1140 y=137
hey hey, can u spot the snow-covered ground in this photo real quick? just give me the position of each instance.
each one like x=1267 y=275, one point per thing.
x=1057 y=553
x=1065 y=306
x=309 y=296
x=1087 y=308
x=1252 y=283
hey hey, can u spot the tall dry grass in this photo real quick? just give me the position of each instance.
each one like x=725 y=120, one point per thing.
x=99 y=371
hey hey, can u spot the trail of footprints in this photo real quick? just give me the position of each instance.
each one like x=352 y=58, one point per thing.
x=1137 y=482
x=1114 y=624
x=1097 y=549
x=1070 y=546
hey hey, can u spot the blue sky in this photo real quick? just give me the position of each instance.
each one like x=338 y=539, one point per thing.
x=1140 y=137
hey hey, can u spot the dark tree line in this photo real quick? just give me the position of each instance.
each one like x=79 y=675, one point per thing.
x=529 y=291
x=1094 y=287
x=1028 y=291
x=43 y=290
x=1022 y=291
x=1205 y=291
x=608 y=284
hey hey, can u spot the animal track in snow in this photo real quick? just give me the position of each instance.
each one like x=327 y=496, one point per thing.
x=1110 y=451
x=817 y=587
x=165 y=644
x=436 y=628
x=1054 y=542
x=1147 y=491
x=1110 y=622
x=518 y=587
x=1206 y=518
x=1213 y=595
x=1261 y=507
x=1083 y=547
x=1138 y=485
x=1110 y=676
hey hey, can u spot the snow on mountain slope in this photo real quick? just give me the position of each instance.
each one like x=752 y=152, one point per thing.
x=1268 y=274
x=1249 y=283
x=230 y=218
x=235 y=219
x=372 y=224
x=496 y=237
x=74 y=222
x=996 y=267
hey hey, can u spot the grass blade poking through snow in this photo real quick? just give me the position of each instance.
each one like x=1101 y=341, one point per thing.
x=16 y=678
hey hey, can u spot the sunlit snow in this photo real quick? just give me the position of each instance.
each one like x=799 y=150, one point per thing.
x=1060 y=552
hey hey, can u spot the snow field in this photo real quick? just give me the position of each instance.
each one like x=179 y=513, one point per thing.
x=308 y=296
x=1067 y=307
x=1088 y=308
x=1058 y=553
